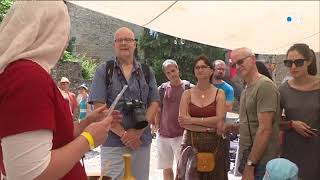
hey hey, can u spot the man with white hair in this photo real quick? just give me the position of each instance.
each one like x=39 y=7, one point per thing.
x=170 y=132
x=259 y=116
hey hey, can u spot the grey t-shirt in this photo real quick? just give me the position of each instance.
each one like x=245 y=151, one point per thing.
x=305 y=152
x=263 y=96
x=138 y=89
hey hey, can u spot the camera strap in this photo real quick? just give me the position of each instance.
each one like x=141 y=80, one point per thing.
x=140 y=90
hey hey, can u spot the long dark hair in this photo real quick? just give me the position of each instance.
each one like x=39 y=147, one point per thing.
x=262 y=69
x=308 y=54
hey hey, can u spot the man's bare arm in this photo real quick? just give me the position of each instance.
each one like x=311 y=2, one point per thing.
x=152 y=111
x=229 y=105
x=263 y=136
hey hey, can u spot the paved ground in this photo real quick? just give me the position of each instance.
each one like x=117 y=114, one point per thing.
x=92 y=164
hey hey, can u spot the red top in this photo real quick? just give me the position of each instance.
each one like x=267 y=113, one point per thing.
x=169 y=125
x=206 y=111
x=30 y=100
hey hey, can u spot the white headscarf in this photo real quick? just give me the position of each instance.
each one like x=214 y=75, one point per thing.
x=34 y=30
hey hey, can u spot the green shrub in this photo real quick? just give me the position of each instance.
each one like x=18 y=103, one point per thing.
x=4 y=6
x=88 y=65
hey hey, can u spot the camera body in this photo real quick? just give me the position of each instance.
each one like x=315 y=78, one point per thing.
x=137 y=109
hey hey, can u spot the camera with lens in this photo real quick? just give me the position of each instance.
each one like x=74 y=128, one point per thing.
x=137 y=109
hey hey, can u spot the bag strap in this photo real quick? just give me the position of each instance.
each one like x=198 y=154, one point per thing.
x=245 y=105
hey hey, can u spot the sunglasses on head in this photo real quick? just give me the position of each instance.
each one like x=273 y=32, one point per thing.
x=297 y=62
x=239 y=62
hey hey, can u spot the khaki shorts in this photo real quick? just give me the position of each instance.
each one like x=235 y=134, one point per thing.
x=168 y=149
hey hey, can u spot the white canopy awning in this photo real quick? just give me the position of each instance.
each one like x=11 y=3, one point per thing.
x=263 y=26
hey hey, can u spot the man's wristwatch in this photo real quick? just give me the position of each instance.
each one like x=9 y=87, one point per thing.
x=250 y=163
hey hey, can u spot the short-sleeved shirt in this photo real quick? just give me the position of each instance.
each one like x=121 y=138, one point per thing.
x=302 y=106
x=228 y=90
x=29 y=101
x=137 y=89
x=169 y=125
x=263 y=96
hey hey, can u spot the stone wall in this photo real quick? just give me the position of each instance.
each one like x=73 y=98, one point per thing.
x=94 y=32
x=71 y=70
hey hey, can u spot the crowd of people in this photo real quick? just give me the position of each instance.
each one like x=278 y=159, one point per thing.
x=45 y=129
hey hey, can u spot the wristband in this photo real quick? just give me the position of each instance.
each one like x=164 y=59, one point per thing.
x=89 y=138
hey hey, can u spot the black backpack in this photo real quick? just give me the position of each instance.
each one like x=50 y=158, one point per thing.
x=163 y=88
x=110 y=67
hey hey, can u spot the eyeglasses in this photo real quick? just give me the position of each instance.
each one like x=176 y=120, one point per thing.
x=220 y=69
x=297 y=62
x=125 y=40
x=201 y=67
x=239 y=62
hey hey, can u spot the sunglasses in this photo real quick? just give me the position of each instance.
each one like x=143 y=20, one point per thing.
x=297 y=62
x=239 y=62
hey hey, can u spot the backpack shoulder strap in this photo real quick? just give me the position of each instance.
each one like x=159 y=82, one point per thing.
x=146 y=72
x=162 y=90
x=109 y=71
x=187 y=85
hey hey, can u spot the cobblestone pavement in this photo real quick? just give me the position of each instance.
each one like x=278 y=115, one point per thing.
x=92 y=164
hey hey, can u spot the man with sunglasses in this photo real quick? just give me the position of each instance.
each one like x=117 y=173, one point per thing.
x=124 y=137
x=259 y=116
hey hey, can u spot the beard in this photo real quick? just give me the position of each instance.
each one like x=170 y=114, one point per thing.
x=219 y=77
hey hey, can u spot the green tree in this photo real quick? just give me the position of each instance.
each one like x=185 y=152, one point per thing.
x=154 y=48
x=88 y=65
x=4 y=6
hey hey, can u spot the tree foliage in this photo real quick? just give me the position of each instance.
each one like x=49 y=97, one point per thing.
x=4 y=6
x=88 y=65
x=155 y=48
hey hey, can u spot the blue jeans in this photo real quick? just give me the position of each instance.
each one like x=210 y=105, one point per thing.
x=259 y=171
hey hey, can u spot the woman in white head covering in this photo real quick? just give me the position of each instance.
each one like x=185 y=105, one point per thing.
x=37 y=135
